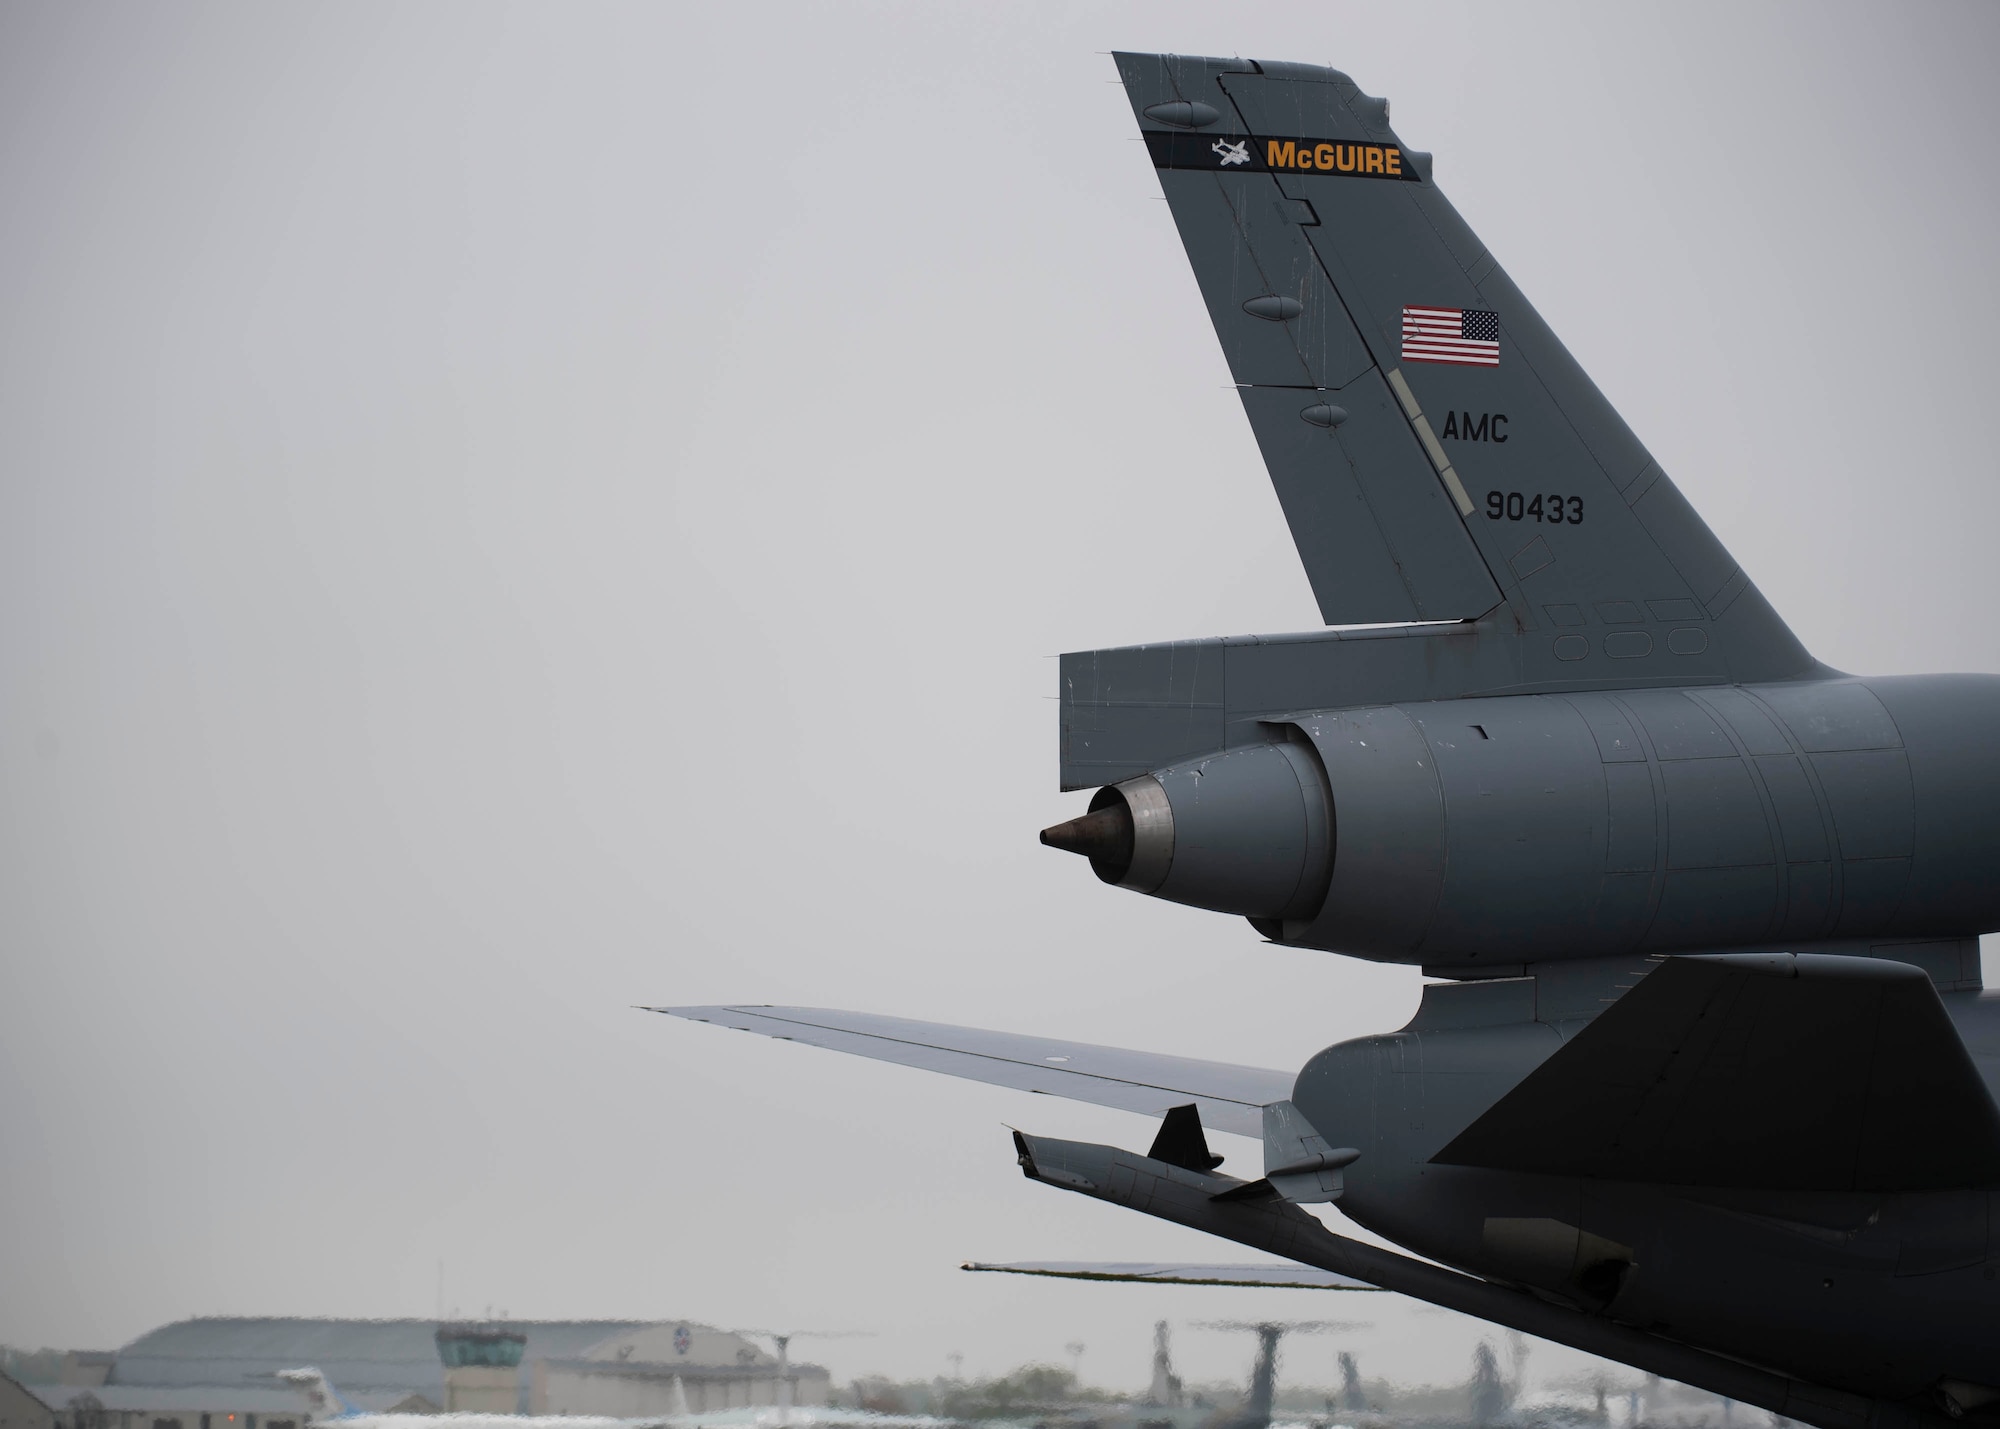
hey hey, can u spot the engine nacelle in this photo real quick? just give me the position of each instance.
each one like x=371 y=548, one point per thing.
x=1469 y=833
x=1245 y=831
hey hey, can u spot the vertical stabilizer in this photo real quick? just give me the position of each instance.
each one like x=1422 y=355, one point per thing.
x=1438 y=453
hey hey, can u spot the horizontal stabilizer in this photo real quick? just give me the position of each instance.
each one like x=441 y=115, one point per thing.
x=1275 y=1275
x=1776 y=1071
x=1230 y=1098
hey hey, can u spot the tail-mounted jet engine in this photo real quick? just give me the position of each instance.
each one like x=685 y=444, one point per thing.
x=1474 y=832
x=1245 y=831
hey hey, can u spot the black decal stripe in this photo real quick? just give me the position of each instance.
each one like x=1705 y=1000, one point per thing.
x=1246 y=153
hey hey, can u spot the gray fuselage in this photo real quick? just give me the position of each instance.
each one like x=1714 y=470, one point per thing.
x=1883 y=1294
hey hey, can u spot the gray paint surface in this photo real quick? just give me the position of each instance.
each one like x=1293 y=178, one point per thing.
x=1791 y=1073
x=1383 y=246
x=1230 y=1098
x=1520 y=828
x=1495 y=821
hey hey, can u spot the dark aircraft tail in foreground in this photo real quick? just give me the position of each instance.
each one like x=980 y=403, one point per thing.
x=1707 y=1083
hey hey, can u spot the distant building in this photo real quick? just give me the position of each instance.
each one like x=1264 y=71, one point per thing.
x=482 y=1367
x=119 y=1406
x=22 y=1408
x=219 y=1373
x=631 y=1375
x=86 y=1369
x=378 y=1364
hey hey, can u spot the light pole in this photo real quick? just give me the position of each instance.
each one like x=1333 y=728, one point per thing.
x=783 y=1340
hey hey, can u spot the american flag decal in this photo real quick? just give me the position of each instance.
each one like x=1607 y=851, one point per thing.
x=1468 y=337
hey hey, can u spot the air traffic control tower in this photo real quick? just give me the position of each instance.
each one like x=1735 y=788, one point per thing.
x=482 y=1368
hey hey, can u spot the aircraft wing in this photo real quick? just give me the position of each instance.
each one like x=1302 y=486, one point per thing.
x=1275 y=1275
x=1776 y=1071
x=1231 y=1098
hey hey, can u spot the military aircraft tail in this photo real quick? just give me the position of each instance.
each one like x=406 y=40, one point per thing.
x=1438 y=453
x=323 y=1401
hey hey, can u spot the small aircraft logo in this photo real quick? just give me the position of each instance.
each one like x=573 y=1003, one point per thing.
x=683 y=1341
x=1237 y=153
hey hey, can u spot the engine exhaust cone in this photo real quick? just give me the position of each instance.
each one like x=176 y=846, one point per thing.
x=1128 y=835
x=1105 y=833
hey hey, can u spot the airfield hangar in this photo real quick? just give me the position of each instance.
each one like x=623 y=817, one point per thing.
x=219 y=1373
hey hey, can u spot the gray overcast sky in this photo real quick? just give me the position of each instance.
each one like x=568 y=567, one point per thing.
x=512 y=512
